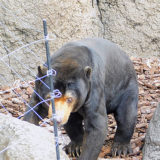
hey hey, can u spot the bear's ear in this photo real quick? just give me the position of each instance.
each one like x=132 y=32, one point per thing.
x=41 y=71
x=88 y=71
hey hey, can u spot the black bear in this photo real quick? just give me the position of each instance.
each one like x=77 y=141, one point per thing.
x=95 y=77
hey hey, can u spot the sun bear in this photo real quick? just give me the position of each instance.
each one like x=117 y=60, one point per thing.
x=95 y=78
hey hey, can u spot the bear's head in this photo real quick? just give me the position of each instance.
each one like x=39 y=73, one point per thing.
x=72 y=80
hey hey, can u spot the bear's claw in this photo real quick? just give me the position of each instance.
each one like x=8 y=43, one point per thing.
x=120 y=149
x=73 y=149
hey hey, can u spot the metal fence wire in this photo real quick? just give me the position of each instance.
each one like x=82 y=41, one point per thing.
x=21 y=85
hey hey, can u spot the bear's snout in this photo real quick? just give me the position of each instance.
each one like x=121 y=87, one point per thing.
x=63 y=106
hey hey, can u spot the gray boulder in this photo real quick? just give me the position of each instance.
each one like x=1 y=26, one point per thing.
x=21 y=140
x=151 y=150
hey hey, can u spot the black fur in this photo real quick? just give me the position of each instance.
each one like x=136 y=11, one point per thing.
x=109 y=87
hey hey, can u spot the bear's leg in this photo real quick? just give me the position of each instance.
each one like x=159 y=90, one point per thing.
x=74 y=129
x=126 y=116
x=30 y=116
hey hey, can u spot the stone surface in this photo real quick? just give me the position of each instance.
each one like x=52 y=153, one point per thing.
x=133 y=25
x=21 y=23
x=151 y=148
x=21 y=140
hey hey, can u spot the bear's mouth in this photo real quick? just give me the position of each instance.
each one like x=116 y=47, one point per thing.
x=63 y=107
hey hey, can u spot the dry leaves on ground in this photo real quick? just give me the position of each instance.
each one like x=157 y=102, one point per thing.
x=13 y=100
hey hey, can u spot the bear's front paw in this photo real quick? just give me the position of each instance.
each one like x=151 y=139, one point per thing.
x=120 y=149
x=73 y=149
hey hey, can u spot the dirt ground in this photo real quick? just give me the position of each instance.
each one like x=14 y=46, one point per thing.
x=13 y=99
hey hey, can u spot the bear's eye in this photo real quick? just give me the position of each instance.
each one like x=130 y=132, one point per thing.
x=69 y=100
x=70 y=84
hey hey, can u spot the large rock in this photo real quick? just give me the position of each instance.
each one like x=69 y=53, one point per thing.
x=133 y=25
x=20 y=140
x=151 y=150
x=21 y=23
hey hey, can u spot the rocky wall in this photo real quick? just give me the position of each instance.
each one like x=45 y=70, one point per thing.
x=133 y=25
x=21 y=23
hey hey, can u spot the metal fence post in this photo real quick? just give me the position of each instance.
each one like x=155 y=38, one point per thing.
x=51 y=87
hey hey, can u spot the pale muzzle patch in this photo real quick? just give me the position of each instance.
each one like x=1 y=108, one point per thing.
x=63 y=106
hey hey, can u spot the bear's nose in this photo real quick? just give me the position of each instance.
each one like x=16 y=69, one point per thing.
x=58 y=119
